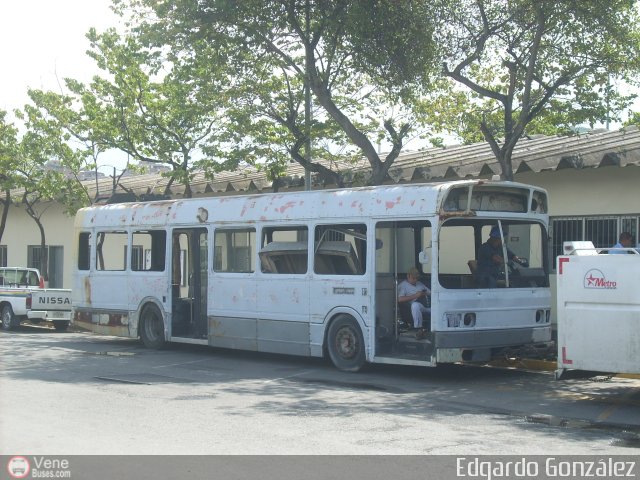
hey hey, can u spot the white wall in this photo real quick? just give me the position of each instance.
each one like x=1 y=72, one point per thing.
x=595 y=191
x=21 y=231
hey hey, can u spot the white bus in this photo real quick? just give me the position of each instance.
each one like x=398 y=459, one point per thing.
x=316 y=273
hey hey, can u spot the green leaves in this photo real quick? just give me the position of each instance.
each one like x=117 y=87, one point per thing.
x=8 y=162
x=531 y=65
x=154 y=104
x=8 y=150
x=354 y=55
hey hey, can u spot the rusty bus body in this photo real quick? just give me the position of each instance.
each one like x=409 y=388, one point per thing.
x=314 y=273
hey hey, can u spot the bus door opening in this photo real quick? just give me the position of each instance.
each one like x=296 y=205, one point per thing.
x=189 y=274
x=398 y=247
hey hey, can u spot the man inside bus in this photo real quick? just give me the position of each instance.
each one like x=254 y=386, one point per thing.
x=625 y=240
x=491 y=263
x=414 y=292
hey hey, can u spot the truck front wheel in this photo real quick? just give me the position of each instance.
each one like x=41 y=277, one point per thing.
x=8 y=318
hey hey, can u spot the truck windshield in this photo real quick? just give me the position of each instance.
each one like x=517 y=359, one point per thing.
x=18 y=276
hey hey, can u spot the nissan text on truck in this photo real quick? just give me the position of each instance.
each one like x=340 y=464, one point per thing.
x=24 y=298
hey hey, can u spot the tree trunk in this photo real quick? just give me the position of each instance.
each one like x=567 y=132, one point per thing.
x=44 y=259
x=502 y=153
x=323 y=95
x=6 y=204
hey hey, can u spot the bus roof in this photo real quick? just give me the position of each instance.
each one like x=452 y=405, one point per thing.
x=405 y=200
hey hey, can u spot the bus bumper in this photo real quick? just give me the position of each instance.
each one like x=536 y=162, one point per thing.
x=477 y=346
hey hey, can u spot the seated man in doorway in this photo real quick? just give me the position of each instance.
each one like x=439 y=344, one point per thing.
x=491 y=264
x=415 y=292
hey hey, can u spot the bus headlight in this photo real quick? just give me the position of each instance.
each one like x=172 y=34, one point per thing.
x=461 y=319
x=453 y=319
x=469 y=319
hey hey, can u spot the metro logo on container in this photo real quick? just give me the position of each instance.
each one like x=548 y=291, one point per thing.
x=595 y=279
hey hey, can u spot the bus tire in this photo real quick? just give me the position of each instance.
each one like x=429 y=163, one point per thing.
x=8 y=318
x=152 y=327
x=345 y=344
x=61 y=325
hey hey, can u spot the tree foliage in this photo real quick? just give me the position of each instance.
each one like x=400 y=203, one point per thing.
x=42 y=145
x=634 y=119
x=66 y=112
x=349 y=52
x=8 y=157
x=154 y=106
x=519 y=61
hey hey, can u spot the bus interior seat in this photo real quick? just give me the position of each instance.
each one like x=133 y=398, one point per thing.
x=284 y=257
x=470 y=281
x=336 y=265
x=337 y=258
x=322 y=266
x=473 y=266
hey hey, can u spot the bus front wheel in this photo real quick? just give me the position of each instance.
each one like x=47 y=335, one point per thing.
x=346 y=344
x=152 y=327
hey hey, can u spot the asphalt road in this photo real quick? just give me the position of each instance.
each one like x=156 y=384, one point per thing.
x=84 y=394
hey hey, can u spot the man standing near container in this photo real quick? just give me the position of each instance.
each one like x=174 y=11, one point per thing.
x=625 y=240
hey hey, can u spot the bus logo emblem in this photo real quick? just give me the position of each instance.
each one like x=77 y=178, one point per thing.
x=595 y=279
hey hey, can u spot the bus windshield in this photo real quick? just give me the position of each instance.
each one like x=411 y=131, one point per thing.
x=490 y=198
x=470 y=252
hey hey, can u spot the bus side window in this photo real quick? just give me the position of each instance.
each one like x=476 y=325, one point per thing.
x=84 y=250
x=340 y=249
x=111 y=251
x=284 y=250
x=234 y=250
x=148 y=251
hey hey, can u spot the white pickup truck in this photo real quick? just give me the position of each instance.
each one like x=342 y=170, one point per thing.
x=598 y=309
x=23 y=297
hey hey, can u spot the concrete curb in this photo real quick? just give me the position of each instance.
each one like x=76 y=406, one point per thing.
x=545 y=366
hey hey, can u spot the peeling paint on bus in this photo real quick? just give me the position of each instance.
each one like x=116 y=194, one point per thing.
x=87 y=290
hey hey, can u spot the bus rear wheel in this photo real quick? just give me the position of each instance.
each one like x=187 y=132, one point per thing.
x=8 y=318
x=152 y=327
x=346 y=344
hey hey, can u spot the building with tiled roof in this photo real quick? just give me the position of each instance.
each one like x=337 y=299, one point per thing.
x=593 y=182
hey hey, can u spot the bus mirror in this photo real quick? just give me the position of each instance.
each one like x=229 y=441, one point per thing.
x=424 y=257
